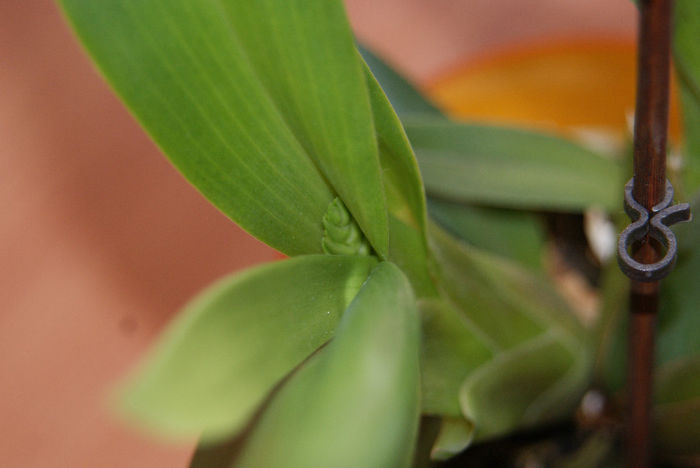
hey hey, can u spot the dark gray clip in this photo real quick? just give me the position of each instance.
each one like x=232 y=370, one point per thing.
x=663 y=215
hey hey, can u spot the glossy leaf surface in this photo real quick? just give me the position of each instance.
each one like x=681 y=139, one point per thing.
x=236 y=340
x=248 y=121
x=356 y=402
x=513 y=168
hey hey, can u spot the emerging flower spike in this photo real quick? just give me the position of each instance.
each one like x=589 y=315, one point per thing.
x=341 y=234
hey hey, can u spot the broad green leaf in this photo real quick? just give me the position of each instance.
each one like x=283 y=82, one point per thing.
x=234 y=342
x=455 y=435
x=512 y=168
x=516 y=235
x=677 y=409
x=452 y=348
x=356 y=402
x=522 y=321
x=248 y=121
x=687 y=65
x=404 y=97
x=305 y=55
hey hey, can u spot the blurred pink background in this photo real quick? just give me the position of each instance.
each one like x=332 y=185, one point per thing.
x=101 y=240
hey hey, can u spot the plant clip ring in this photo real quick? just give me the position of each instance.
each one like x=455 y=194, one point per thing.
x=663 y=215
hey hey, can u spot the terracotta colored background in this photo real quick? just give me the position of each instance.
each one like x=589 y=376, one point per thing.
x=101 y=240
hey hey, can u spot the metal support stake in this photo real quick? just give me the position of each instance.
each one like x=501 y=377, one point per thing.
x=648 y=201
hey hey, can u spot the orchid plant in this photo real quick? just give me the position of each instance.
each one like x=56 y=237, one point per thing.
x=387 y=324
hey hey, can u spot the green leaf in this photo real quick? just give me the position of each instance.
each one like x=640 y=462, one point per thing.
x=535 y=382
x=248 y=121
x=305 y=55
x=355 y=403
x=511 y=168
x=522 y=321
x=404 y=97
x=400 y=172
x=404 y=192
x=516 y=235
x=235 y=341
x=452 y=348
x=687 y=65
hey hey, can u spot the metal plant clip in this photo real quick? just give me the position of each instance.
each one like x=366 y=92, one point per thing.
x=656 y=225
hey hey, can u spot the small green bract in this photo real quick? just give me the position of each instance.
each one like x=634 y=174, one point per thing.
x=341 y=234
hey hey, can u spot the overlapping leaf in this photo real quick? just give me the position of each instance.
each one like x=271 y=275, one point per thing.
x=235 y=342
x=305 y=56
x=519 y=331
x=249 y=99
x=405 y=98
x=452 y=348
x=494 y=165
x=356 y=403
x=404 y=192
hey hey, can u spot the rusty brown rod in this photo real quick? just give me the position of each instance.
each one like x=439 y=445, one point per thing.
x=650 y=128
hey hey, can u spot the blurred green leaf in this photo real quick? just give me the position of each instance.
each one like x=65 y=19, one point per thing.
x=679 y=312
x=512 y=168
x=686 y=47
x=355 y=403
x=516 y=235
x=247 y=98
x=539 y=348
x=452 y=348
x=537 y=381
x=235 y=341
x=677 y=409
x=455 y=435
x=610 y=332
x=404 y=97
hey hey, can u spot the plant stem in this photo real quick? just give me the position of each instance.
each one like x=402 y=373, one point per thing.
x=651 y=123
